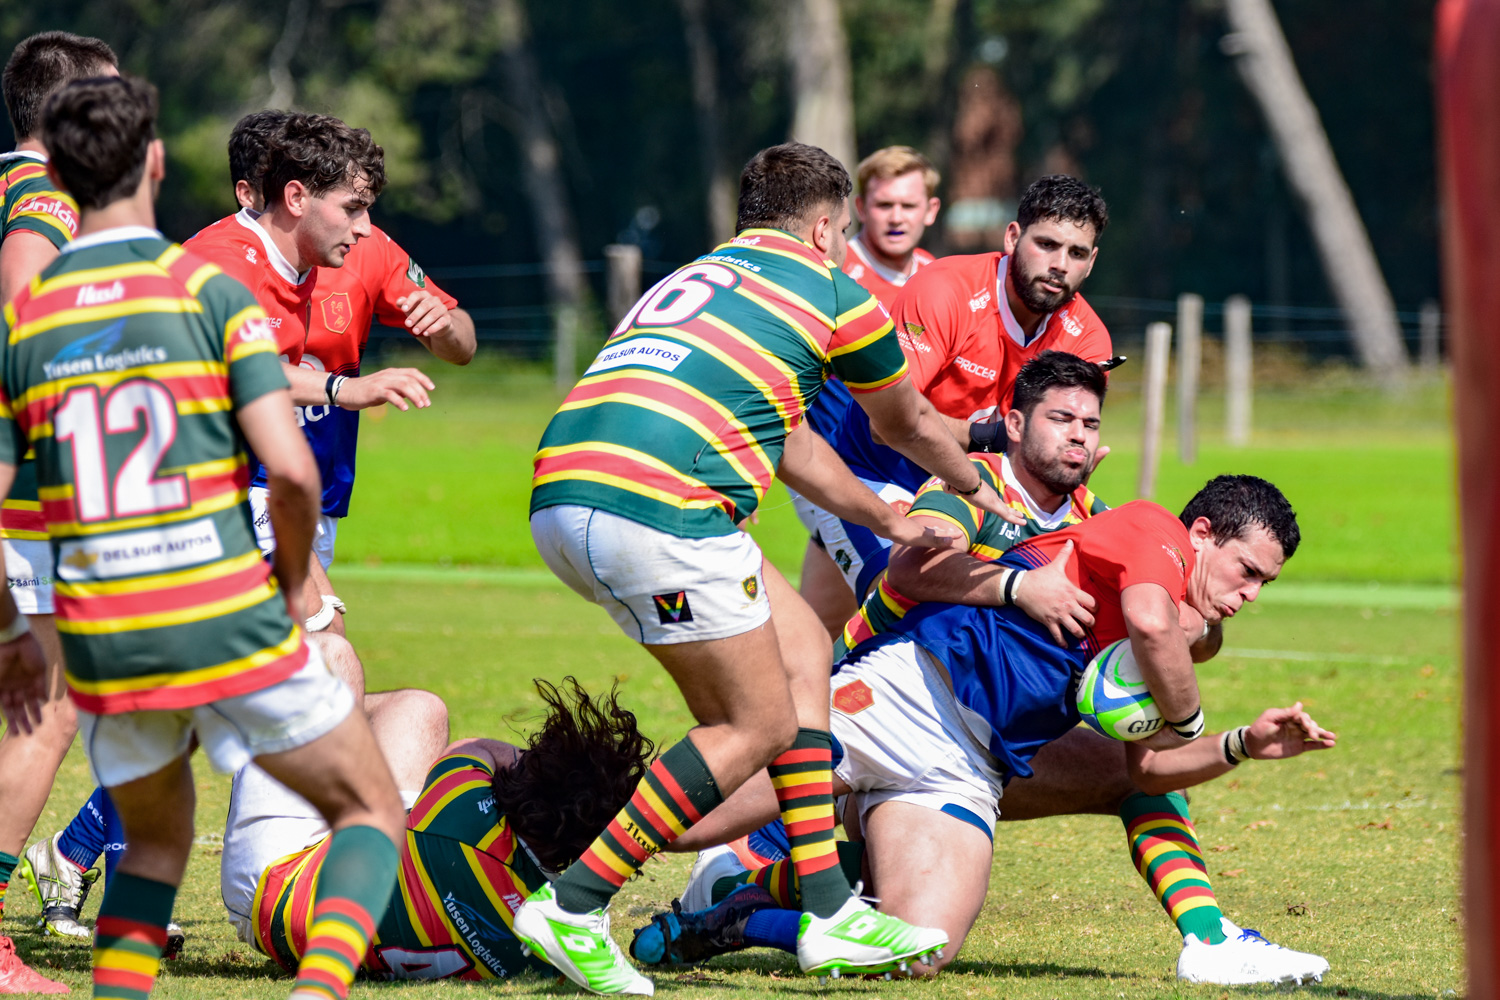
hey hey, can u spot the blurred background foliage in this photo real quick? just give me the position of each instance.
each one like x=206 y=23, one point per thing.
x=1136 y=96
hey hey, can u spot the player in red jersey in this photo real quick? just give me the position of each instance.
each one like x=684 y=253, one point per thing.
x=896 y=200
x=36 y=219
x=969 y=323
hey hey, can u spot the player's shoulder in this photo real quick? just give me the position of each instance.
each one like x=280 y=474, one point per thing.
x=922 y=257
x=1137 y=515
x=961 y=278
x=1086 y=503
x=1077 y=319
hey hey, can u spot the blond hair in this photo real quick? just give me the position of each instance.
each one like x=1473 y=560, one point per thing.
x=893 y=161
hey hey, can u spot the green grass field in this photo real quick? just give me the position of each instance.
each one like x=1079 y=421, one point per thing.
x=1351 y=853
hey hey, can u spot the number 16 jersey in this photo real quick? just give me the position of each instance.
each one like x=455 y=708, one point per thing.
x=122 y=366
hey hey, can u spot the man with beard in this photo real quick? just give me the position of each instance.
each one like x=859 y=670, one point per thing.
x=967 y=325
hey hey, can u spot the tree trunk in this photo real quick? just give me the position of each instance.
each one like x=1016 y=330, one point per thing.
x=722 y=196
x=822 y=86
x=541 y=170
x=1265 y=64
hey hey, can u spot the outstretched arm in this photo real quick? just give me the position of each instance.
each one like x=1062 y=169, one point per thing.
x=1279 y=733
x=401 y=387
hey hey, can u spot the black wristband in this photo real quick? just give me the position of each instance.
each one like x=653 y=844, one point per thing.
x=982 y=437
x=328 y=387
x=967 y=493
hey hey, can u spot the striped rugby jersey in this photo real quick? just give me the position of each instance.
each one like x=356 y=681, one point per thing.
x=680 y=421
x=122 y=366
x=29 y=202
x=988 y=537
x=464 y=873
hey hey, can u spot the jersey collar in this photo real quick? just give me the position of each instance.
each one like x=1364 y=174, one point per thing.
x=1008 y=318
x=29 y=154
x=278 y=260
x=1043 y=519
x=117 y=234
x=890 y=274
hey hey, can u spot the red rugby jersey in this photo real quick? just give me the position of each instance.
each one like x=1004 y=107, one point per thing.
x=244 y=251
x=965 y=346
x=884 y=283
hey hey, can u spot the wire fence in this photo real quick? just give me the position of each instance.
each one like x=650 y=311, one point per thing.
x=509 y=305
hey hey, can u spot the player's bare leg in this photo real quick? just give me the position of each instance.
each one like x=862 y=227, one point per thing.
x=28 y=762
x=826 y=590
x=343 y=662
x=1082 y=772
x=411 y=728
x=928 y=868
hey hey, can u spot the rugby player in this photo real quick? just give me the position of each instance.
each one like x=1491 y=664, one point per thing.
x=895 y=197
x=939 y=714
x=967 y=324
x=489 y=822
x=669 y=442
x=35 y=220
x=172 y=628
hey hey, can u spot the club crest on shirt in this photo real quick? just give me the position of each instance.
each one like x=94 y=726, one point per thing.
x=1176 y=555
x=752 y=587
x=853 y=698
x=415 y=274
x=673 y=609
x=338 y=313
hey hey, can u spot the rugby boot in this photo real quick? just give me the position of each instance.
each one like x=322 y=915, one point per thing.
x=1245 y=958
x=686 y=937
x=578 y=945
x=60 y=888
x=176 y=939
x=17 y=977
x=860 y=939
x=711 y=865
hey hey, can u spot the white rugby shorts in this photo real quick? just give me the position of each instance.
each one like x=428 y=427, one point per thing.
x=904 y=738
x=266 y=822
x=232 y=731
x=659 y=588
x=323 y=539
x=28 y=574
x=859 y=553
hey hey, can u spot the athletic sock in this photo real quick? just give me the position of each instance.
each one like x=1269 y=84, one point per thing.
x=1164 y=847
x=676 y=792
x=773 y=929
x=803 y=778
x=8 y=864
x=129 y=936
x=114 y=837
x=780 y=880
x=82 y=840
x=354 y=885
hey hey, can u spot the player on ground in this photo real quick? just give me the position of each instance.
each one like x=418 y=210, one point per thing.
x=35 y=220
x=127 y=357
x=967 y=324
x=895 y=197
x=938 y=715
x=669 y=441
x=489 y=821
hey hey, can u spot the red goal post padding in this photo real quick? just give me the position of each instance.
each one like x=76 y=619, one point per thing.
x=1468 y=104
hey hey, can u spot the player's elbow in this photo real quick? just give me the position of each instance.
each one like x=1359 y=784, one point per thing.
x=1151 y=621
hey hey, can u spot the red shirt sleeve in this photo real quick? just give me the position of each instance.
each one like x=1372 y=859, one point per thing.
x=927 y=321
x=1145 y=544
x=399 y=276
x=1094 y=343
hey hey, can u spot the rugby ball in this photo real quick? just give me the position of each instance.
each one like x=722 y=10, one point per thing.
x=1112 y=697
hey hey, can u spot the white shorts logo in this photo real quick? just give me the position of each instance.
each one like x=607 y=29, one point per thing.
x=650 y=351
x=135 y=553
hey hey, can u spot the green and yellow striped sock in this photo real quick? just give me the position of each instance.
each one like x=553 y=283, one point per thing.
x=803 y=778
x=1164 y=847
x=354 y=885
x=129 y=936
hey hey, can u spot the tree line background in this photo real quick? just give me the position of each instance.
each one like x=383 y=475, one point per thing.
x=635 y=110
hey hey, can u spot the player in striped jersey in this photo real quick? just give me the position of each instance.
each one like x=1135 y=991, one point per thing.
x=139 y=373
x=489 y=823
x=35 y=220
x=670 y=441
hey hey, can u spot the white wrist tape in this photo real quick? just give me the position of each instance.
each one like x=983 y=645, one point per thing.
x=324 y=616
x=1190 y=728
x=1010 y=583
x=1234 y=746
x=15 y=629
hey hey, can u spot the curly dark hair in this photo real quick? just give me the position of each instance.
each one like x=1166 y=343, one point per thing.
x=1058 y=196
x=249 y=145
x=575 y=774
x=321 y=152
x=1233 y=503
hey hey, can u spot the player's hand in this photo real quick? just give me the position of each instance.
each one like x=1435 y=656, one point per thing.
x=904 y=531
x=1049 y=597
x=426 y=316
x=23 y=688
x=988 y=499
x=1280 y=733
x=401 y=387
